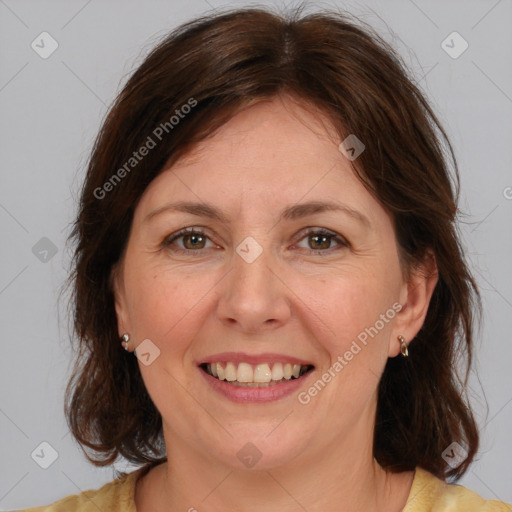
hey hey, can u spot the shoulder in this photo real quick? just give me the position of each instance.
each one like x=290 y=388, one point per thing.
x=115 y=496
x=431 y=494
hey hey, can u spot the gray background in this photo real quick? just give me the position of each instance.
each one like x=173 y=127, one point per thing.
x=52 y=108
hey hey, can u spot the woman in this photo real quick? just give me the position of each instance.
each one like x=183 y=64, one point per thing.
x=267 y=227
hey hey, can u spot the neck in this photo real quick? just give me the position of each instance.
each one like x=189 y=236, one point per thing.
x=343 y=476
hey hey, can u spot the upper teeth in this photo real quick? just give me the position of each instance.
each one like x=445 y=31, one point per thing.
x=246 y=372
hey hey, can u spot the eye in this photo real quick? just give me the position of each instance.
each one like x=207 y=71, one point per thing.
x=192 y=239
x=321 y=240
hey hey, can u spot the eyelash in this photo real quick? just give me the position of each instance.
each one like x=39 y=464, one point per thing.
x=193 y=231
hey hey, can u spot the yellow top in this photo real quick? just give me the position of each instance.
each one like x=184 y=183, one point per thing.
x=428 y=494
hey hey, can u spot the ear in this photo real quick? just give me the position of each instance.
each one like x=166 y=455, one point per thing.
x=118 y=290
x=415 y=298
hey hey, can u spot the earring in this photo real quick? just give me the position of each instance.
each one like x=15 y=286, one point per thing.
x=125 y=340
x=403 y=346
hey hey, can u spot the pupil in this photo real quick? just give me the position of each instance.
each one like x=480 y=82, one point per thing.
x=194 y=238
x=323 y=237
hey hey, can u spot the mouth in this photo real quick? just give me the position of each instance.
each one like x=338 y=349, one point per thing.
x=261 y=375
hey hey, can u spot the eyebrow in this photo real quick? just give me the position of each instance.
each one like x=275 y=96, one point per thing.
x=293 y=212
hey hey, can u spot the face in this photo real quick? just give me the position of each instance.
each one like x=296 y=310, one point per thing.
x=258 y=291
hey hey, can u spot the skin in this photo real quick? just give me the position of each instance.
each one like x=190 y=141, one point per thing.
x=289 y=300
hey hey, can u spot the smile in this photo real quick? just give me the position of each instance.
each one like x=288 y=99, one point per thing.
x=260 y=375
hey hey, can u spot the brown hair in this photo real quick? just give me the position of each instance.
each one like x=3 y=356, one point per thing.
x=339 y=66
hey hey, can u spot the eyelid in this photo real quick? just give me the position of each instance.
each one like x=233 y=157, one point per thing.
x=191 y=230
x=319 y=231
x=310 y=230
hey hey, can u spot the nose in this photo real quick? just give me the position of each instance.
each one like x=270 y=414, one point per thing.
x=254 y=297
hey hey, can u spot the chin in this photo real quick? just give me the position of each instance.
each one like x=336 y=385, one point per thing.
x=259 y=449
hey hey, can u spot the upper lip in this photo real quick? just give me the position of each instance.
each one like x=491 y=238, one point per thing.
x=242 y=357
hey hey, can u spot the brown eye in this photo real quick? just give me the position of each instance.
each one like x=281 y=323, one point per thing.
x=320 y=241
x=192 y=241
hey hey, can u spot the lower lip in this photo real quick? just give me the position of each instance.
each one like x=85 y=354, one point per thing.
x=245 y=395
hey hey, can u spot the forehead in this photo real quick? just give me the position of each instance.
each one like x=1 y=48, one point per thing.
x=270 y=153
x=270 y=128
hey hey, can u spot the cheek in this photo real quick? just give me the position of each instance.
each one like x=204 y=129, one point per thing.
x=354 y=340
x=162 y=302
x=348 y=305
x=164 y=308
x=352 y=333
